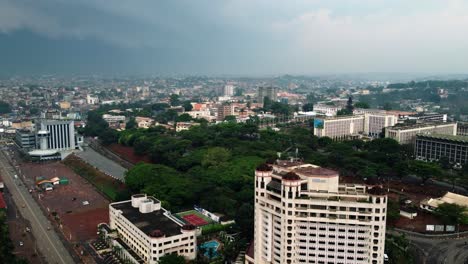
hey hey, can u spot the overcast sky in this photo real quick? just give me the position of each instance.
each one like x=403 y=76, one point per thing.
x=247 y=37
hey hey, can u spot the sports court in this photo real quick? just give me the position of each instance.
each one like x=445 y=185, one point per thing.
x=194 y=218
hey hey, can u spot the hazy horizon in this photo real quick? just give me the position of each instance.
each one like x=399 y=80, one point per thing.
x=233 y=38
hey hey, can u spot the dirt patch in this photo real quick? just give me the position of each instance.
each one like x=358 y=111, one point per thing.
x=76 y=207
x=82 y=226
x=127 y=153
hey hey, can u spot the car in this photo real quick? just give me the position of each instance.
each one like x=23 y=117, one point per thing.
x=21 y=243
x=28 y=229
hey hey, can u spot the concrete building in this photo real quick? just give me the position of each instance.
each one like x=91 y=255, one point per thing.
x=407 y=134
x=224 y=110
x=228 y=90
x=25 y=139
x=270 y=92
x=52 y=139
x=144 y=231
x=374 y=123
x=91 y=100
x=462 y=129
x=432 y=147
x=345 y=127
x=427 y=117
x=339 y=128
x=304 y=215
x=328 y=110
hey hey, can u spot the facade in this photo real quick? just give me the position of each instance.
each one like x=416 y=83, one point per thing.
x=433 y=147
x=228 y=90
x=462 y=129
x=91 y=100
x=146 y=231
x=407 y=134
x=328 y=110
x=25 y=139
x=270 y=92
x=339 y=128
x=304 y=215
x=428 y=117
x=50 y=139
x=374 y=123
x=224 y=110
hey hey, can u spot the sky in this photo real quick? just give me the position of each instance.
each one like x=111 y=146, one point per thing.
x=233 y=37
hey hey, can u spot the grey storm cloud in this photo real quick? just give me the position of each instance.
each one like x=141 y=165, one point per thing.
x=235 y=36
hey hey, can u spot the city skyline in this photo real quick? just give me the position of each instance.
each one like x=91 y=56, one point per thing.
x=232 y=37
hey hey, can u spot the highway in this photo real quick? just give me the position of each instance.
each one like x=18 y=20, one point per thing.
x=48 y=241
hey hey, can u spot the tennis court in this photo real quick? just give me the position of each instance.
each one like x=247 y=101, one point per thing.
x=195 y=218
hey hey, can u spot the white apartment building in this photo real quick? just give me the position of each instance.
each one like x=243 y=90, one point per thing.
x=328 y=110
x=374 y=123
x=304 y=215
x=345 y=127
x=407 y=134
x=146 y=231
x=228 y=90
x=113 y=118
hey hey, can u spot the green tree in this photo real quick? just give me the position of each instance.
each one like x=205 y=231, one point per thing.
x=5 y=107
x=184 y=118
x=215 y=156
x=172 y=259
x=425 y=170
x=131 y=123
x=344 y=112
x=362 y=105
x=452 y=213
x=230 y=118
x=174 y=99
x=187 y=106
x=308 y=107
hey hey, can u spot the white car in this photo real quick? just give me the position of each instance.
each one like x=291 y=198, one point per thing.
x=21 y=243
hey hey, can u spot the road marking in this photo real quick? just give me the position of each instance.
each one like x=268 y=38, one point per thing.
x=32 y=213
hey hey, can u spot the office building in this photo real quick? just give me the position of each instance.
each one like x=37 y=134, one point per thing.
x=328 y=110
x=228 y=90
x=51 y=139
x=304 y=215
x=269 y=92
x=374 y=123
x=223 y=111
x=144 y=231
x=432 y=147
x=25 y=139
x=407 y=134
x=427 y=117
x=339 y=128
x=462 y=129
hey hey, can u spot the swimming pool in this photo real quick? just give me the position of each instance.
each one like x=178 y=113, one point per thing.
x=210 y=246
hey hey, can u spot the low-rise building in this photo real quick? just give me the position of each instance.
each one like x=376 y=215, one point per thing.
x=407 y=134
x=144 y=122
x=145 y=231
x=431 y=204
x=432 y=147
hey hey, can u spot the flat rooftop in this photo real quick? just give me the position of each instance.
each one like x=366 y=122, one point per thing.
x=461 y=139
x=149 y=222
x=315 y=171
x=419 y=125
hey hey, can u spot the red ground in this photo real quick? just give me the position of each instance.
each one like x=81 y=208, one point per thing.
x=127 y=153
x=84 y=224
x=66 y=201
x=194 y=220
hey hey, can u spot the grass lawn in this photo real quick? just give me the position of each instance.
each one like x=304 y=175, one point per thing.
x=108 y=186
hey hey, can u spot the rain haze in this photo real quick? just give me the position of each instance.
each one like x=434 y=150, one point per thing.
x=261 y=37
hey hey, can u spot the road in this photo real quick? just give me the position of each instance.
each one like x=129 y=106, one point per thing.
x=102 y=163
x=439 y=251
x=48 y=241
